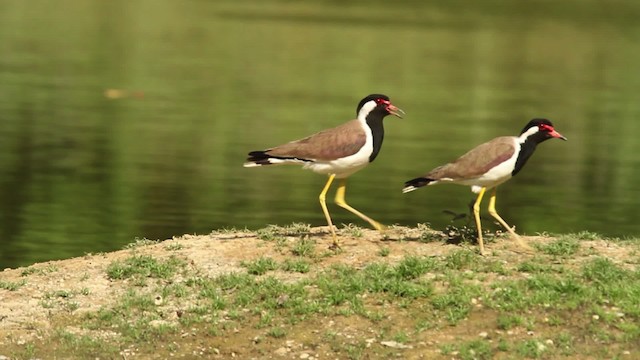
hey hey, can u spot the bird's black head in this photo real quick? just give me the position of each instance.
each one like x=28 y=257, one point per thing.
x=377 y=103
x=540 y=130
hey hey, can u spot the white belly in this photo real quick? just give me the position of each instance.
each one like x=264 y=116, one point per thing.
x=491 y=178
x=346 y=166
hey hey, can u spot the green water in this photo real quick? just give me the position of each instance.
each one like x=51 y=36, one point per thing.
x=123 y=119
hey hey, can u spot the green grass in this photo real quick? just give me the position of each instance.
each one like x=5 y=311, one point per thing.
x=352 y=230
x=260 y=266
x=475 y=350
x=427 y=234
x=144 y=266
x=269 y=233
x=141 y=243
x=562 y=247
x=174 y=246
x=296 y=265
x=12 y=285
x=540 y=306
x=304 y=247
x=39 y=270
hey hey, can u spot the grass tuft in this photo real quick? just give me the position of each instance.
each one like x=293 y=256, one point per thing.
x=12 y=285
x=296 y=265
x=304 y=247
x=352 y=230
x=143 y=266
x=563 y=247
x=260 y=266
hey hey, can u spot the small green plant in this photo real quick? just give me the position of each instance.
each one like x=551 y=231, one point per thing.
x=275 y=232
x=562 y=247
x=411 y=267
x=58 y=294
x=476 y=350
x=427 y=234
x=532 y=348
x=509 y=321
x=384 y=252
x=50 y=268
x=296 y=229
x=276 y=332
x=603 y=271
x=587 y=235
x=447 y=349
x=71 y=306
x=401 y=337
x=461 y=259
x=503 y=345
x=174 y=246
x=464 y=234
x=296 y=265
x=304 y=247
x=535 y=266
x=270 y=233
x=228 y=230
x=28 y=271
x=143 y=266
x=12 y=285
x=565 y=343
x=260 y=266
x=455 y=303
x=352 y=230
x=140 y=242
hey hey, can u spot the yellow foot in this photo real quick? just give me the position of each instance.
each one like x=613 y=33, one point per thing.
x=376 y=225
x=523 y=245
x=335 y=246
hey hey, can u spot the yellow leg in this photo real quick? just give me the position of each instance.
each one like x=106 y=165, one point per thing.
x=494 y=213
x=476 y=215
x=323 y=204
x=342 y=203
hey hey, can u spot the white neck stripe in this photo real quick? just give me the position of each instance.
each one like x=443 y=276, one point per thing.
x=532 y=130
x=366 y=109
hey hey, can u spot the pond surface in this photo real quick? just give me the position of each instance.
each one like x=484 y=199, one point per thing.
x=131 y=119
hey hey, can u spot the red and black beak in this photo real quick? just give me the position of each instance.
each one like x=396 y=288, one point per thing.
x=556 y=134
x=395 y=111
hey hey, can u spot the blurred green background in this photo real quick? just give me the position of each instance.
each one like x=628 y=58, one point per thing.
x=124 y=119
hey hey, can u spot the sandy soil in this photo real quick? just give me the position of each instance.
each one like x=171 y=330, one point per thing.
x=24 y=313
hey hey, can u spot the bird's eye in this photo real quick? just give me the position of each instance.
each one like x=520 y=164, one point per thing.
x=546 y=127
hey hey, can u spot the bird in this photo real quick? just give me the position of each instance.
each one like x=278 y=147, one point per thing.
x=338 y=152
x=488 y=165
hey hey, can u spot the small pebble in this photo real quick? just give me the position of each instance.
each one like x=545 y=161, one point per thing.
x=281 y=351
x=483 y=334
x=596 y=317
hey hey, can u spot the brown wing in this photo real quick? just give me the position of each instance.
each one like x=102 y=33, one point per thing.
x=477 y=161
x=330 y=144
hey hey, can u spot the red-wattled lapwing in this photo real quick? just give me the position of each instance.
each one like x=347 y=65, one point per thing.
x=338 y=152
x=488 y=165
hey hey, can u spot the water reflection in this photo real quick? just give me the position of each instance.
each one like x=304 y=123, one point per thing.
x=84 y=172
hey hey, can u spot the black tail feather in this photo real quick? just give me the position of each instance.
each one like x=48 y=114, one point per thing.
x=263 y=158
x=418 y=182
x=259 y=157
